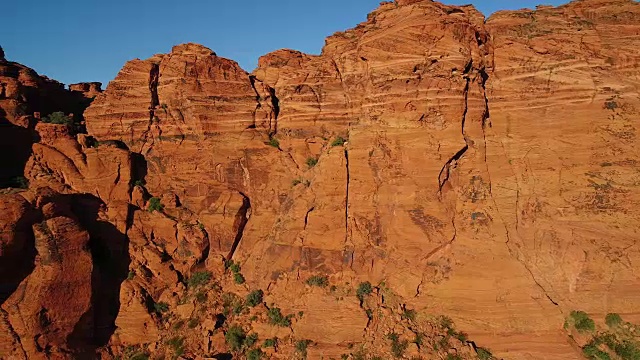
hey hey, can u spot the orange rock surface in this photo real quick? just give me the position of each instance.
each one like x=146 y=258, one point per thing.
x=485 y=171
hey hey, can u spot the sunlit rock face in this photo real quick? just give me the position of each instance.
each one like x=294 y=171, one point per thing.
x=481 y=170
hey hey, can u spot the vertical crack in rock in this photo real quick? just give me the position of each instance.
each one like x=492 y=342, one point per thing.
x=445 y=172
x=306 y=217
x=154 y=77
x=252 y=80
x=242 y=217
x=484 y=75
x=275 y=103
x=346 y=201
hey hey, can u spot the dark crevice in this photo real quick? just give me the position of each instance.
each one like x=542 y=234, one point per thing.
x=306 y=217
x=445 y=172
x=110 y=253
x=252 y=80
x=154 y=77
x=346 y=202
x=242 y=217
x=275 y=103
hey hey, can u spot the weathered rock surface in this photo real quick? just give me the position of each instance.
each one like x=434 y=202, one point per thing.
x=25 y=97
x=481 y=170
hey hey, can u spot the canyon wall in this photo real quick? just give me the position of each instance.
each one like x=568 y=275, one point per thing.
x=482 y=170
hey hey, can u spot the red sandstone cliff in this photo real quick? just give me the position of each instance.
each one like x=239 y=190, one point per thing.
x=485 y=171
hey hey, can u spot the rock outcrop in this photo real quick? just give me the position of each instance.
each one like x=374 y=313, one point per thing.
x=427 y=167
x=25 y=98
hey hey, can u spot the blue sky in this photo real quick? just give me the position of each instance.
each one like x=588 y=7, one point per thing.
x=90 y=40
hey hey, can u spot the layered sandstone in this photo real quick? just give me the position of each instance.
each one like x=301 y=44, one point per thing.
x=479 y=170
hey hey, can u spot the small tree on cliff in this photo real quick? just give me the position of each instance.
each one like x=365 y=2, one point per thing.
x=58 y=117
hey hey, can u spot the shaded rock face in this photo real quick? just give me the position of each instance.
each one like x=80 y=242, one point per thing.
x=481 y=170
x=26 y=96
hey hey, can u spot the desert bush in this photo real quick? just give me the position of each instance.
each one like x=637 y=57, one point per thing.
x=339 y=141
x=397 y=347
x=311 y=162
x=582 y=322
x=484 y=354
x=235 y=337
x=199 y=278
x=238 y=278
x=58 y=117
x=270 y=342
x=255 y=298
x=409 y=314
x=161 y=307
x=318 y=280
x=274 y=142
x=301 y=347
x=613 y=320
x=255 y=354
x=176 y=344
x=155 y=204
x=364 y=289
x=276 y=317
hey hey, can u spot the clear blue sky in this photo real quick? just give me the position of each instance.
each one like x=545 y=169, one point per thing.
x=90 y=40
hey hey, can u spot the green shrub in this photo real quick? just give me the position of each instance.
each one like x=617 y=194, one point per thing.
x=613 y=320
x=251 y=340
x=274 y=142
x=419 y=340
x=238 y=308
x=199 y=278
x=155 y=204
x=255 y=298
x=234 y=267
x=58 y=117
x=311 y=162
x=582 y=322
x=131 y=275
x=255 y=354
x=628 y=350
x=201 y=297
x=296 y=182
x=409 y=314
x=235 y=337
x=276 y=317
x=397 y=347
x=19 y=182
x=301 y=347
x=176 y=343
x=161 y=307
x=178 y=325
x=339 y=141
x=453 y=357
x=446 y=322
x=139 y=356
x=317 y=280
x=270 y=342
x=238 y=278
x=193 y=323
x=591 y=351
x=484 y=354
x=140 y=183
x=364 y=289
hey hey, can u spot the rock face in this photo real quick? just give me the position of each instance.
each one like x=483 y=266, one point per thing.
x=482 y=170
x=25 y=97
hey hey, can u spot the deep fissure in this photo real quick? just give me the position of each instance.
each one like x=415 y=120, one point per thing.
x=242 y=217
x=275 y=103
x=445 y=172
x=346 y=203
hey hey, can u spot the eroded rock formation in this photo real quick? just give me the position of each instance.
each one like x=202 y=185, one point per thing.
x=480 y=170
